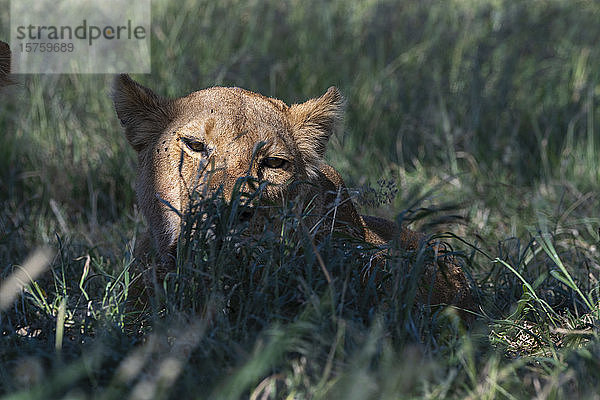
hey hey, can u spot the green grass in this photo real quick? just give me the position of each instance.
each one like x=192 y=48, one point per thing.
x=477 y=120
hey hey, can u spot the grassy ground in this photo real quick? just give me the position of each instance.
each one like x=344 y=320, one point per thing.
x=478 y=118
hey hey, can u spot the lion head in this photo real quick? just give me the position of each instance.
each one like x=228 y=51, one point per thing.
x=208 y=140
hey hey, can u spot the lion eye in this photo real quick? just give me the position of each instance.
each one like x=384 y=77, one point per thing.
x=194 y=145
x=275 y=162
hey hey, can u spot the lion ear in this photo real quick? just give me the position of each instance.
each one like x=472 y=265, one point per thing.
x=142 y=113
x=314 y=121
x=5 y=65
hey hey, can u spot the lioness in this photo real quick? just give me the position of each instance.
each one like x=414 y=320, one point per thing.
x=234 y=133
x=4 y=65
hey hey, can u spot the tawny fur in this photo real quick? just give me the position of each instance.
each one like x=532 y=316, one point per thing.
x=232 y=132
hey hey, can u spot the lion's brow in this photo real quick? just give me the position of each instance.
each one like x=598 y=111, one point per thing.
x=241 y=134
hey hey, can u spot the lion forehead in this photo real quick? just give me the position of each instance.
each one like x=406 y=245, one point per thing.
x=234 y=105
x=233 y=116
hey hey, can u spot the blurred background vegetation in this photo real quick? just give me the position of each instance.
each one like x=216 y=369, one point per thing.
x=481 y=116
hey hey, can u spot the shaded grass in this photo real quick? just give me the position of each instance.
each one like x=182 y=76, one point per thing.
x=482 y=114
